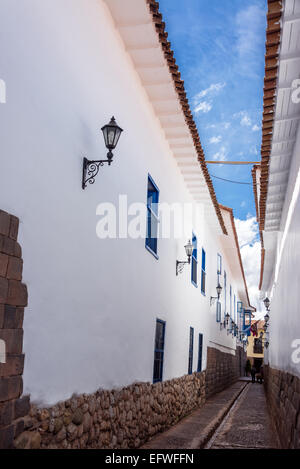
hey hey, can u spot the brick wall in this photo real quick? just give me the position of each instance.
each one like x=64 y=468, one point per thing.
x=13 y=298
x=223 y=369
x=283 y=398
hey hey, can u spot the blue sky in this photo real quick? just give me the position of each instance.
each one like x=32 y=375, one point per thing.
x=219 y=47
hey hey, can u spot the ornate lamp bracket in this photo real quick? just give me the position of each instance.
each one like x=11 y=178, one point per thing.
x=91 y=168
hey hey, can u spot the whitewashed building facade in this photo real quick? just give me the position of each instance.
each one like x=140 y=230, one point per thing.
x=96 y=306
x=278 y=210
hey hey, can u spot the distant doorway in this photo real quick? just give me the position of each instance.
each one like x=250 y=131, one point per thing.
x=258 y=363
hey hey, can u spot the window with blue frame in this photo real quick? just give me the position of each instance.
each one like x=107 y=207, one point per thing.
x=191 y=349
x=218 y=311
x=234 y=308
x=203 y=272
x=225 y=292
x=219 y=266
x=194 y=261
x=200 y=348
x=152 y=216
x=159 y=350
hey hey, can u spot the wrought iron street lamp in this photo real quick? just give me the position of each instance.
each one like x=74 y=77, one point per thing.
x=267 y=303
x=180 y=264
x=266 y=317
x=219 y=291
x=111 y=134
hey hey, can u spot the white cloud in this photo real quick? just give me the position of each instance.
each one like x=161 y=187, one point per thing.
x=246 y=121
x=255 y=128
x=227 y=125
x=220 y=155
x=215 y=139
x=250 y=27
x=250 y=247
x=211 y=90
x=204 y=106
x=244 y=117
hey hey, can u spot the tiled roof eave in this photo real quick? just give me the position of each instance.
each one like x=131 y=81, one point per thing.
x=273 y=37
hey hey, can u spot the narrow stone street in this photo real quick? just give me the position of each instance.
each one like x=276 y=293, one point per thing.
x=236 y=418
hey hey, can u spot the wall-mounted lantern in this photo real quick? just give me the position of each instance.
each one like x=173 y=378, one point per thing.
x=225 y=322
x=180 y=264
x=111 y=134
x=266 y=317
x=219 y=291
x=267 y=303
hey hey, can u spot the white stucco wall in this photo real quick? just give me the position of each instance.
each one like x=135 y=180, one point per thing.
x=284 y=329
x=93 y=303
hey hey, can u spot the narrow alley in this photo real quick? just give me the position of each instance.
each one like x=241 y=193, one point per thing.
x=236 y=418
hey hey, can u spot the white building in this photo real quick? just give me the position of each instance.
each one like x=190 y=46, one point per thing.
x=95 y=304
x=278 y=207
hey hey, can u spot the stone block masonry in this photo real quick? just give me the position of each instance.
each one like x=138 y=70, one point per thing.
x=14 y=409
x=124 y=418
x=283 y=398
x=223 y=369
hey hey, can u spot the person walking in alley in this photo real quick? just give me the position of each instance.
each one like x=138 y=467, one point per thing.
x=253 y=373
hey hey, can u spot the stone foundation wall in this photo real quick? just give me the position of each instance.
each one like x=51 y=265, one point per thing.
x=13 y=298
x=124 y=418
x=283 y=398
x=222 y=369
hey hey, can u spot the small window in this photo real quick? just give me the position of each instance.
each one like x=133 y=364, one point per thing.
x=191 y=349
x=159 y=350
x=200 y=347
x=234 y=308
x=218 y=311
x=225 y=292
x=152 y=216
x=219 y=266
x=203 y=272
x=194 y=262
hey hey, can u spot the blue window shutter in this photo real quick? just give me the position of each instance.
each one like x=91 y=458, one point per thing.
x=191 y=350
x=200 y=348
x=203 y=271
x=159 y=347
x=218 y=311
x=194 y=261
x=152 y=216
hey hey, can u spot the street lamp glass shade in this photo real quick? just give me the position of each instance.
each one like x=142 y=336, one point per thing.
x=189 y=249
x=267 y=302
x=219 y=290
x=266 y=317
x=111 y=133
x=227 y=318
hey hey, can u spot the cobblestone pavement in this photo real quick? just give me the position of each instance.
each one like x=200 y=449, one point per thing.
x=234 y=418
x=247 y=426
